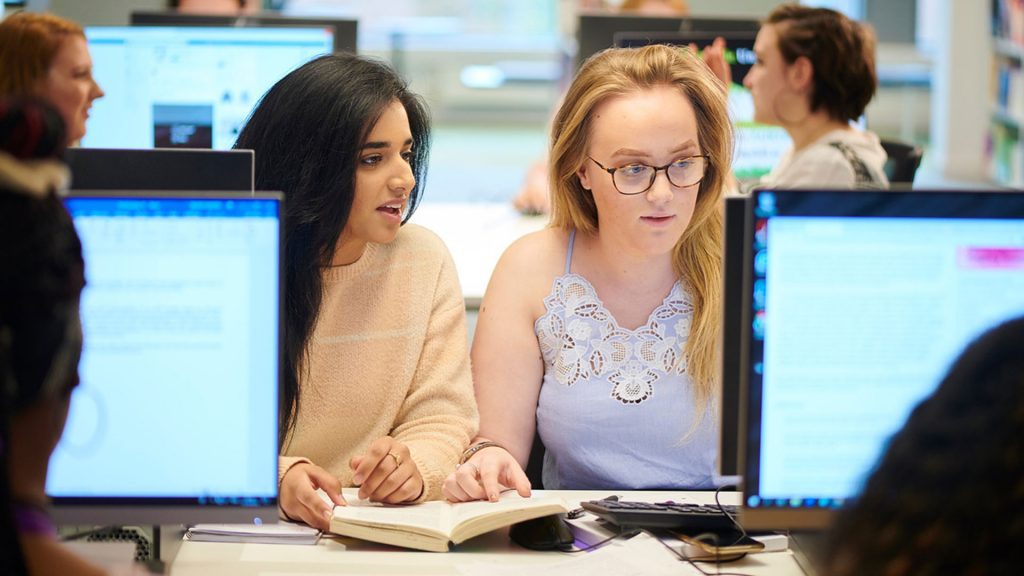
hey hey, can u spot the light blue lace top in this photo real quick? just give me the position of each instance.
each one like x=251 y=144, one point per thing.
x=616 y=406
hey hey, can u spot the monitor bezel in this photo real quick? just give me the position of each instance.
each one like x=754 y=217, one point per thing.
x=346 y=30
x=148 y=510
x=590 y=25
x=204 y=162
x=629 y=38
x=734 y=315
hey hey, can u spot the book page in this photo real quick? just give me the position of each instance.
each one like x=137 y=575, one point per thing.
x=392 y=535
x=475 y=518
x=432 y=518
x=509 y=500
x=432 y=525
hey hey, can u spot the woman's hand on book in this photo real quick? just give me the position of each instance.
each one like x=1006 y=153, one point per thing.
x=484 y=476
x=299 y=499
x=386 y=473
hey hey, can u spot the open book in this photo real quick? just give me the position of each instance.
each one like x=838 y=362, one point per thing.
x=436 y=525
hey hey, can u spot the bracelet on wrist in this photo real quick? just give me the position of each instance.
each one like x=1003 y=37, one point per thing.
x=468 y=453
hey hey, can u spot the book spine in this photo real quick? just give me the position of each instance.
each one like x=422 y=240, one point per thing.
x=1004 y=149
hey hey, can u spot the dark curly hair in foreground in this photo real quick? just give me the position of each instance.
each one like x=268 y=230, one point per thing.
x=947 y=497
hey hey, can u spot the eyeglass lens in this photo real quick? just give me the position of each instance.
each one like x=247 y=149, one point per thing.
x=638 y=178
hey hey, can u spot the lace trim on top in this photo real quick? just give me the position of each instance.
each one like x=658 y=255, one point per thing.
x=580 y=340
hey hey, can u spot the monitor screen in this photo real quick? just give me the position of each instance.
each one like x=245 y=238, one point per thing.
x=345 y=30
x=596 y=31
x=175 y=417
x=188 y=87
x=160 y=169
x=758 y=146
x=859 y=303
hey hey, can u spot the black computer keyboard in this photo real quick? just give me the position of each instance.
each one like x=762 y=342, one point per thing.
x=662 y=514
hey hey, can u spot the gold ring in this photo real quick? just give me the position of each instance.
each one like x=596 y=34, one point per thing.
x=398 y=461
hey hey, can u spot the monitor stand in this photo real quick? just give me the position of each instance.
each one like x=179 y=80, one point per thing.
x=166 y=542
x=809 y=551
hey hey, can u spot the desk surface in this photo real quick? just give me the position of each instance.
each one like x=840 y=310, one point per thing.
x=491 y=554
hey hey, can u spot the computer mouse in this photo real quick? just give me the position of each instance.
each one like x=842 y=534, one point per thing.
x=544 y=533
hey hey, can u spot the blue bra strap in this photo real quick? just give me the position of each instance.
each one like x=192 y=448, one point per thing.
x=568 y=254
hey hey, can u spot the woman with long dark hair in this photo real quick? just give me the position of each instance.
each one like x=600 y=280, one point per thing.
x=377 y=389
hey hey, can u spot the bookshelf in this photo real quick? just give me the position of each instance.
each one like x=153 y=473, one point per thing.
x=1005 y=149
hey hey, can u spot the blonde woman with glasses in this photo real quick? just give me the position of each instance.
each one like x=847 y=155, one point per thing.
x=601 y=332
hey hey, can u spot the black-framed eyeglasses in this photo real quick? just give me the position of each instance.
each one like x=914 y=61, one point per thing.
x=633 y=179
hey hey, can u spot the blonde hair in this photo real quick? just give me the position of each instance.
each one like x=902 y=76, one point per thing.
x=28 y=44
x=697 y=256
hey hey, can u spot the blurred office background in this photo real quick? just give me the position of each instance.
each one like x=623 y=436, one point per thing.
x=492 y=72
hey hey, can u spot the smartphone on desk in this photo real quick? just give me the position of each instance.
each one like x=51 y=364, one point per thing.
x=716 y=545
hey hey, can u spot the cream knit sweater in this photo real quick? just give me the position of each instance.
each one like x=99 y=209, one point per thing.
x=388 y=357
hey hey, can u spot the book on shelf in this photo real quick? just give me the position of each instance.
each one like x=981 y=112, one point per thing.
x=437 y=525
x=1008 y=20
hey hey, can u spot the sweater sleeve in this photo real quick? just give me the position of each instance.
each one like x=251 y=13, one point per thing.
x=285 y=463
x=439 y=415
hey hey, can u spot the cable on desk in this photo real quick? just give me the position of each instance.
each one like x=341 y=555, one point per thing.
x=694 y=563
x=722 y=509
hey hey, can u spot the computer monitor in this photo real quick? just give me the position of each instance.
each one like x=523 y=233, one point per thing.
x=596 y=31
x=175 y=418
x=188 y=87
x=734 y=264
x=161 y=169
x=758 y=146
x=345 y=30
x=859 y=303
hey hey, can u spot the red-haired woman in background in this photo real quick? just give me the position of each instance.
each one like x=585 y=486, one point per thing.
x=45 y=56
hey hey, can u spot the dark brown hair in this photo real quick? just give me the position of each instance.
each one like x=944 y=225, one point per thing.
x=842 y=52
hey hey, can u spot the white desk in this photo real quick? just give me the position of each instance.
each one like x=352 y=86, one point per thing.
x=490 y=551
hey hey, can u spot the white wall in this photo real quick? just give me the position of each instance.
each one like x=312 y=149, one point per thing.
x=960 y=84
